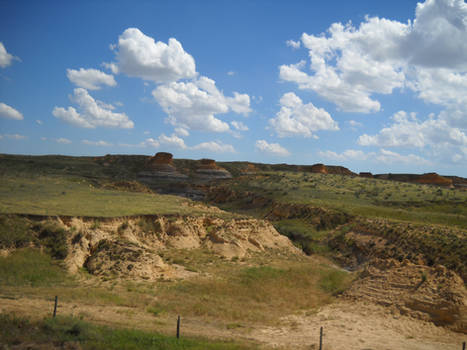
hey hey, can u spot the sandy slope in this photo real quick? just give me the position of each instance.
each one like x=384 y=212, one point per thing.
x=358 y=326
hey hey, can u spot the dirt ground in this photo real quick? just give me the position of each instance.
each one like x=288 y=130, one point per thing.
x=347 y=325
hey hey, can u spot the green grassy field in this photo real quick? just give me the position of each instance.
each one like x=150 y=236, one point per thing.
x=59 y=331
x=361 y=196
x=64 y=195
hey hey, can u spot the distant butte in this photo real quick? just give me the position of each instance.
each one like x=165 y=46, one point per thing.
x=208 y=169
x=160 y=166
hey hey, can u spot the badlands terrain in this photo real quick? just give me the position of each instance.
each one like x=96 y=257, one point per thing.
x=251 y=256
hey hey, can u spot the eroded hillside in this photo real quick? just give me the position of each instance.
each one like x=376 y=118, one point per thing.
x=102 y=231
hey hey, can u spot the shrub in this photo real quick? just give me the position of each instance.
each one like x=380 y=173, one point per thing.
x=54 y=238
x=14 y=232
x=123 y=227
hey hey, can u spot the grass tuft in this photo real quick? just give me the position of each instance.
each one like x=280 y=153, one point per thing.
x=30 y=267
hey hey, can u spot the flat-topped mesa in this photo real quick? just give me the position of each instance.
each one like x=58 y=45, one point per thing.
x=208 y=169
x=160 y=166
x=339 y=170
x=319 y=168
x=206 y=163
x=366 y=174
x=433 y=179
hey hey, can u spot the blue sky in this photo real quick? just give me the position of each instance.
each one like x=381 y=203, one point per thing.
x=372 y=85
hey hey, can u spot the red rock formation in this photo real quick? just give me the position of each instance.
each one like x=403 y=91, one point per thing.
x=208 y=164
x=319 y=168
x=162 y=161
x=160 y=166
x=433 y=179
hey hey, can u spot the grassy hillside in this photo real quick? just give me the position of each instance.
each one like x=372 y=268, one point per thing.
x=359 y=196
x=74 y=196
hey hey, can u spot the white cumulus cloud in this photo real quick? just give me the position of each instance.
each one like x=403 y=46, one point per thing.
x=349 y=65
x=297 y=118
x=139 y=55
x=193 y=105
x=182 y=132
x=408 y=131
x=349 y=154
x=90 y=79
x=293 y=44
x=239 y=125
x=6 y=58
x=9 y=112
x=382 y=156
x=354 y=124
x=14 y=136
x=63 y=141
x=171 y=141
x=99 y=143
x=271 y=148
x=214 y=146
x=390 y=157
x=150 y=142
x=92 y=113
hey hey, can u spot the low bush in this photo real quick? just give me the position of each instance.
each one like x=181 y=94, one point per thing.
x=54 y=238
x=14 y=232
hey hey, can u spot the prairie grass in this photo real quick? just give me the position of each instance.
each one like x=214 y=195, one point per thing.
x=54 y=195
x=254 y=294
x=30 y=267
x=360 y=196
x=63 y=330
x=304 y=235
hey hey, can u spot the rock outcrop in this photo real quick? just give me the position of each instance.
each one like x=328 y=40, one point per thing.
x=430 y=293
x=249 y=169
x=319 y=168
x=160 y=166
x=366 y=174
x=433 y=179
x=161 y=161
x=339 y=170
x=132 y=247
x=428 y=178
x=208 y=169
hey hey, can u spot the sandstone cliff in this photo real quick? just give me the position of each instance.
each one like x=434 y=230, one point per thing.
x=429 y=293
x=132 y=247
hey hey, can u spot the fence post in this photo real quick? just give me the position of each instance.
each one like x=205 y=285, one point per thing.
x=178 y=327
x=55 y=306
x=321 y=338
